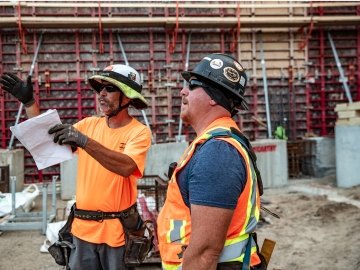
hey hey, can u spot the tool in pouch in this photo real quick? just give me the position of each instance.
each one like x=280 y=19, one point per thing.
x=139 y=236
x=61 y=249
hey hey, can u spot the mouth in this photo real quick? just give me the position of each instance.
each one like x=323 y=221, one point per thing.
x=102 y=101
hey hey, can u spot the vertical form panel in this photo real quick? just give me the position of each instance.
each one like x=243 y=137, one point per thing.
x=168 y=88
x=2 y=101
x=358 y=56
x=111 y=47
x=78 y=79
x=322 y=83
x=150 y=84
x=254 y=84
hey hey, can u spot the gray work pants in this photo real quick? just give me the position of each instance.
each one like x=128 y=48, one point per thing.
x=90 y=256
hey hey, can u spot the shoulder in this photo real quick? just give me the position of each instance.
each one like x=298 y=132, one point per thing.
x=219 y=147
x=92 y=119
x=136 y=128
x=88 y=121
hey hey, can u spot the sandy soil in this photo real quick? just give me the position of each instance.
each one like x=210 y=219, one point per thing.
x=319 y=229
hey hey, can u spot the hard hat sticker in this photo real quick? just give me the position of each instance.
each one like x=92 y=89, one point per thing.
x=216 y=63
x=132 y=76
x=207 y=58
x=238 y=66
x=231 y=74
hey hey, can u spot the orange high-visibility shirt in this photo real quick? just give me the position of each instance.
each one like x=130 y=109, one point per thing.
x=97 y=188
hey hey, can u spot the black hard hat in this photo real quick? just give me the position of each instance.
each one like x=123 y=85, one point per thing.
x=223 y=72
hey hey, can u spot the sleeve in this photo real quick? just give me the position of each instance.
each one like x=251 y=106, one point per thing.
x=217 y=175
x=137 y=149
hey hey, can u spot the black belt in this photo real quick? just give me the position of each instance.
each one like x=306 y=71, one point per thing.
x=100 y=215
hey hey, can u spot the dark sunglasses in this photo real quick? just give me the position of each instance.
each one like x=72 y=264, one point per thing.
x=109 y=88
x=193 y=84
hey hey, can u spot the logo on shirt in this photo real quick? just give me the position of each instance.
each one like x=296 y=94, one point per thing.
x=122 y=147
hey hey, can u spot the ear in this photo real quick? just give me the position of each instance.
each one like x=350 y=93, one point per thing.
x=212 y=102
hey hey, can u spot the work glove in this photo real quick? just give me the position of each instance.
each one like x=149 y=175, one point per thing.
x=23 y=91
x=67 y=134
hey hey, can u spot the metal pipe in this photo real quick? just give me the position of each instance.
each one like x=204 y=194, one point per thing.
x=30 y=74
x=341 y=71
x=184 y=81
x=127 y=63
x=53 y=205
x=265 y=88
x=44 y=206
x=13 y=195
x=122 y=50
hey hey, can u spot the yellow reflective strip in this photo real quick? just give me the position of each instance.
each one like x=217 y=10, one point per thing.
x=182 y=232
x=257 y=213
x=168 y=234
x=165 y=266
x=236 y=239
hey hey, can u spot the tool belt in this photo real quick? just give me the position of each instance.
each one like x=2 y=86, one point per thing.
x=100 y=216
x=138 y=234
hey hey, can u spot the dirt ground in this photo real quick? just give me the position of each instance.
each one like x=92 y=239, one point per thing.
x=319 y=229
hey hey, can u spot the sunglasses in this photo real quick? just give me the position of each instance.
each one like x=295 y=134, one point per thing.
x=109 y=88
x=193 y=84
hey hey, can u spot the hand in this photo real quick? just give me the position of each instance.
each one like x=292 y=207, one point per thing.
x=23 y=91
x=67 y=134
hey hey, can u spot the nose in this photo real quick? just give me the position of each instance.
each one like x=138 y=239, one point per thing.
x=103 y=91
x=184 y=91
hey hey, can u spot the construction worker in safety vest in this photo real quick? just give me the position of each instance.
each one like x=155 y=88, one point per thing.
x=212 y=205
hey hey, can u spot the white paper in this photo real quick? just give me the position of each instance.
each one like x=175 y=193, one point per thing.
x=33 y=134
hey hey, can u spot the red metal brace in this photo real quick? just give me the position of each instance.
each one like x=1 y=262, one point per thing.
x=21 y=30
x=303 y=44
x=101 y=44
x=174 y=33
x=236 y=32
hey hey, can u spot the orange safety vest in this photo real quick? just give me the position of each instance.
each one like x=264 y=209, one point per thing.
x=174 y=221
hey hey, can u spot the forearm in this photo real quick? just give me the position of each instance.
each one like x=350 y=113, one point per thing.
x=32 y=110
x=113 y=161
x=208 y=234
x=200 y=259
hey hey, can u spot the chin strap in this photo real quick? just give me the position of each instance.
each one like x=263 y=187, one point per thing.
x=120 y=108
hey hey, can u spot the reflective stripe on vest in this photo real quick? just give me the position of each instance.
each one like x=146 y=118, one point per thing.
x=177 y=231
x=170 y=267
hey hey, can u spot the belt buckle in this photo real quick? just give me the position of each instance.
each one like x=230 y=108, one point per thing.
x=102 y=215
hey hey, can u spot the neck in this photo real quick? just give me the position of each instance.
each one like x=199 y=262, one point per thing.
x=121 y=119
x=202 y=122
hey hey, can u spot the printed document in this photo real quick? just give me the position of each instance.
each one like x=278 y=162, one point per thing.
x=33 y=134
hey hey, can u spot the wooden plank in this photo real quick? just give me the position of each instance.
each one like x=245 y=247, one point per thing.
x=183 y=22
x=267 y=5
x=349 y=121
x=348 y=114
x=341 y=107
x=354 y=106
x=347 y=106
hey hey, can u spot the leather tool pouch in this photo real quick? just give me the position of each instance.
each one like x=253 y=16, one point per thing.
x=138 y=236
x=138 y=244
x=61 y=249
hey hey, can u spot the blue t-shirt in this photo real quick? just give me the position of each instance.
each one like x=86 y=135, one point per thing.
x=214 y=176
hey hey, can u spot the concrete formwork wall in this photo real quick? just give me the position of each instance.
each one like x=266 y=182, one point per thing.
x=68 y=56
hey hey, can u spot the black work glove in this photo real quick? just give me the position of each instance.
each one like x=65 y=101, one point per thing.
x=23 y=91
x=67 y=134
